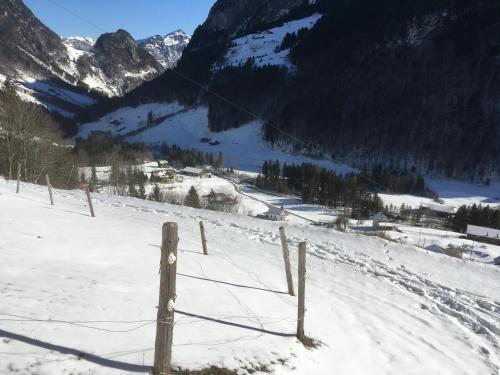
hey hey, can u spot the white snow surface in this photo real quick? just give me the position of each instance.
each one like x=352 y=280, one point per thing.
x=377 y=307
x=263 y=47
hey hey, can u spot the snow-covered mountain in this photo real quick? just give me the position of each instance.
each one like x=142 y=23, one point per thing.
x=166 y=49
x=113 y=65
x=52 y=71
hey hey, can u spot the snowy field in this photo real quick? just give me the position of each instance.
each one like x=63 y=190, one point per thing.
x=243 y=148
x=78 y=295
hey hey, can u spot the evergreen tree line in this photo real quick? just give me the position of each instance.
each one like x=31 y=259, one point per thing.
x=321 y=186
x=178 y=156
x=104 y=148
x=483 y=216
x=401 y=182
x=294 y=179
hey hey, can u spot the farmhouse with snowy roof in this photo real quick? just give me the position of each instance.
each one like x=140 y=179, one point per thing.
x=483 y=234
x=277 y=213
x=194 y=172
x=379 y=218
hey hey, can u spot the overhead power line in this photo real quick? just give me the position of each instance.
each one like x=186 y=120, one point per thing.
x=76 y=15
x=247 y=111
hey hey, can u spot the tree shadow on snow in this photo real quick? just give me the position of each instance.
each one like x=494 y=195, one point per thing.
x=80 y=355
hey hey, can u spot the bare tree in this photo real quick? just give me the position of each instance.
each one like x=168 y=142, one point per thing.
x=29 y=136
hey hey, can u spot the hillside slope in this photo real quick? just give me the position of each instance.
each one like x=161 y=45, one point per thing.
x=406 y=84
x=79 y=294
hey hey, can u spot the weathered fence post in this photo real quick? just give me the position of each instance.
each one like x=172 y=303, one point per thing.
x=165 y=316
x=50 y=189
x=302 y=290
x=203 y=239
x=90 y=202
x=18 y=176
x=286 y=258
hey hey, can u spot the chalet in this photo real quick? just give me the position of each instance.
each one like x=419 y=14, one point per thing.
x=164 y=175
x=435 y=215
x=277 y=213
x=193 y=172
x=483 y=234
x=379 y=218
x=163 y=164
x=220 y=201
x=439 y=209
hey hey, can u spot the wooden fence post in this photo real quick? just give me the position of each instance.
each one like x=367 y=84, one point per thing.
x=165 y=316
x=302 y=290
x=90 y=202
x=203 y=239
x=50 y=189
x=286 y=258
x=18 y=176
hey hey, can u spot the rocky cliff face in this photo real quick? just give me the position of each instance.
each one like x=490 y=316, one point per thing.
x=117 y=64
x=167 y=50
x=28 y=45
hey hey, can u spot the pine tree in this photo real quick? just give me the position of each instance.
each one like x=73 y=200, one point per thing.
x=149 y=121
x=192 y=199
x=157 y=195
x=142 y=190
x=132 y=191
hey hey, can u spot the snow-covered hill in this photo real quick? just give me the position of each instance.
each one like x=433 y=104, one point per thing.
x=78 y=295
x=264 y=47
x=166 y=49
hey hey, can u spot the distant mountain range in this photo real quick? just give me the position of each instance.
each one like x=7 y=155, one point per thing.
x=66 y=74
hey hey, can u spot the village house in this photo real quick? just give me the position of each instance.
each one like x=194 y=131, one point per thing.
x=483 y=234
x=277 y=213
x=163 y=164
x=164 y=175
x=194 y=172
x=434 y=215
x=220 y=201
x=378 y=219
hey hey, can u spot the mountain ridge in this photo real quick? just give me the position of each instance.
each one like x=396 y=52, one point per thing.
x=43 y=66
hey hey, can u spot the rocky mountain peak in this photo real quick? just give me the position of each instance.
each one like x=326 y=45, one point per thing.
x=166 y=49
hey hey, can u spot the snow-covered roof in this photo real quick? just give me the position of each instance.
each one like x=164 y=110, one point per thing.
x=193 y=170
x=276 y=211
x=438 y=207
x=379 y=216
x=483 y=231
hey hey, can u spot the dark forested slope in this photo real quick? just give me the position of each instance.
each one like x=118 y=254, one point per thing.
x=407 y=83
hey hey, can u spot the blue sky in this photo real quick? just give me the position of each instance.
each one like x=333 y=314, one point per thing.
x=142 y=18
